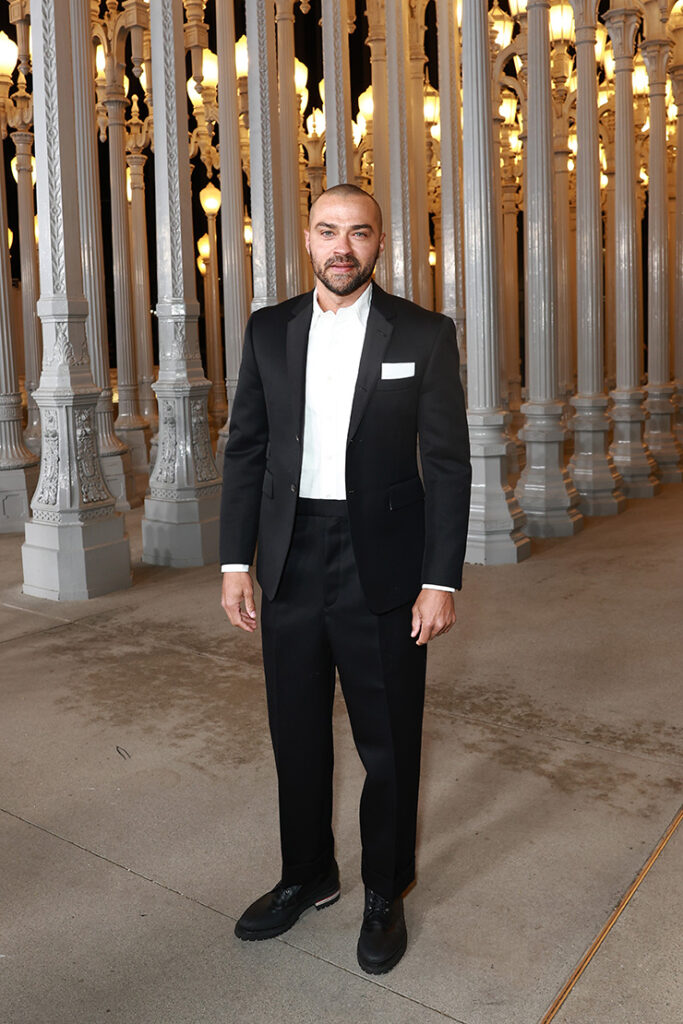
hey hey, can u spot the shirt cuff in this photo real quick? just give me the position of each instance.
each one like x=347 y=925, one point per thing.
x=235 y=567
x=435 y=586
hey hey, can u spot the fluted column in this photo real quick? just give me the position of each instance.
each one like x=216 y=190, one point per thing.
x=180 y=526
x=544 y=491
x=496 y=522
x=659 y=429
x=380 y=131
x=451 y=254
x=289 y=146
x=218 y=406
x=677 y=80
x=511 y=290
x=610 y=214
x=115 y=456
x=592 y=471
x=23 y=143
x=18 y=464
x=401 y=205
x=339 y=151
x=628 y=449
x=236 y=288
x=418 y=151
x=75 y=546
x=565 y=341
x=142 y=321
x=264 y=148
x=129 y=425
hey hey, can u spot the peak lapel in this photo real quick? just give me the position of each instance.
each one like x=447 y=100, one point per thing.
x=377 y=335
x=298 y=328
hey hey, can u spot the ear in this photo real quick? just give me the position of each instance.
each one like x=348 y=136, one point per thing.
x=307 y=237
x=382 y=241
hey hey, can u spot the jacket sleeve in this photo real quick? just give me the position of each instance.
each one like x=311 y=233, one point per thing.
x=245 y=461
x=445 y=458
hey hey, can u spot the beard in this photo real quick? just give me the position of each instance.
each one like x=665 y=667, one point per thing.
x=347 y=284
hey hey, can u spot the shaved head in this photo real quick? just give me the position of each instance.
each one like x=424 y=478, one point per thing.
x=347 y=190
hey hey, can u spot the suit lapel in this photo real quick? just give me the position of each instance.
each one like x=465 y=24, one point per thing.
x=298 y=328
x=377 y=334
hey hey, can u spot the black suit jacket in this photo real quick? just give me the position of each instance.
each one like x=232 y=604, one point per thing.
x=405 y=530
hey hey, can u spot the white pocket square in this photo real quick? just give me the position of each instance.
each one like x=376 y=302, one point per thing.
x=395 y=371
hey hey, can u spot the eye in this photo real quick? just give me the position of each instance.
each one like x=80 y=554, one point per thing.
x=361 y=234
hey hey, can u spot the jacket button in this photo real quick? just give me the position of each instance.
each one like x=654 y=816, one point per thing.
x=351 y=491
x=297 y=438
x=292 y=488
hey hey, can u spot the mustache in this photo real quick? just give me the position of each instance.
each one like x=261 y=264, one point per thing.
x=346 y=261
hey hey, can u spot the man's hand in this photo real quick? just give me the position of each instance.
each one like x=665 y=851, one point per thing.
x=238 y=588
x=433 y=614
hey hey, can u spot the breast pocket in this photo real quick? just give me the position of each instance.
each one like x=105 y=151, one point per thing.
x=395 y=384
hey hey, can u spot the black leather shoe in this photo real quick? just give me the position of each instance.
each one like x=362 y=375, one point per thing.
x=383 y=937
x=282 y=907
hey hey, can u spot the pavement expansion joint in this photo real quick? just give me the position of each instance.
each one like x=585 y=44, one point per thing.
x=222 y=913
x=597 y=942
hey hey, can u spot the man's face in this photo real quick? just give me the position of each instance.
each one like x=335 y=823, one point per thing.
x=344 y=239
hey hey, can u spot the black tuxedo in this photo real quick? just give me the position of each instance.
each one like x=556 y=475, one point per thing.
x=401 y=538
x=338 y=591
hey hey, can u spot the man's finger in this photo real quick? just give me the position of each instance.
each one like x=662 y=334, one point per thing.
x=416 y=623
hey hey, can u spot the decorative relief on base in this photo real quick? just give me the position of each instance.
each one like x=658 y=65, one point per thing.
x=46 y=492
x=89 y=472
x=164 y=468
x=63 y=351
x=205 y=468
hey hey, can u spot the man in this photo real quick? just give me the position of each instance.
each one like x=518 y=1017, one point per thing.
x=357 y=560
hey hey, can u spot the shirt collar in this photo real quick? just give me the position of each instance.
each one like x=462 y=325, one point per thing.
x=359 y=310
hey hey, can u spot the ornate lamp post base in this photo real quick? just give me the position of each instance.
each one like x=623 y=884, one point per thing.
x=17 y=485
x=590 y=467
x=495 y=533
x=545 y=490
x=180 y=526
x=181 y=534
x=74 y=562
x=629 y=453
x=659 y=435
x=75 y=546
x=18 y=468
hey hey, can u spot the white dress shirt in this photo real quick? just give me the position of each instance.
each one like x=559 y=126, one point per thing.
x=335 y=344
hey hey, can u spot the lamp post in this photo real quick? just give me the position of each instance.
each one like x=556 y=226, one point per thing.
x=111 y=33
x=210 y=198
x=659 y=430
x=204 y=107
x=18 y=464
x=562 y=36
x=140 y=135
x=17 y=113
x=676 y=73
x=590 y=467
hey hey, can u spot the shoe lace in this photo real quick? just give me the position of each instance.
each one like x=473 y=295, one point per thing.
x=376 y=906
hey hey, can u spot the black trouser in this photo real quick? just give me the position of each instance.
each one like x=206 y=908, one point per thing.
x=320 y=620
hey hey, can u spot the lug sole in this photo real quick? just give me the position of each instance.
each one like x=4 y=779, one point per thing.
x=384 y=966
x=255 y=935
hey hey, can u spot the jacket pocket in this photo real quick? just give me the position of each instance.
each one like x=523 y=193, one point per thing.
x=405 y=493
x=395 y=383
x=268 y=484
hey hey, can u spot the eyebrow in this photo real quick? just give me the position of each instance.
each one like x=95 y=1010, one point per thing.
x=354 y=227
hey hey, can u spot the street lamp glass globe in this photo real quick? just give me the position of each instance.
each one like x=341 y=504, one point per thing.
x=9 y=54
x=561 y=17
x=241 y=57
x=210 y=198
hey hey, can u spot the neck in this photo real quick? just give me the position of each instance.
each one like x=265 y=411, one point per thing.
x=328 y=300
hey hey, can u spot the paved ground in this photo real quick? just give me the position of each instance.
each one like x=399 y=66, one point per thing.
x=137 y=804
